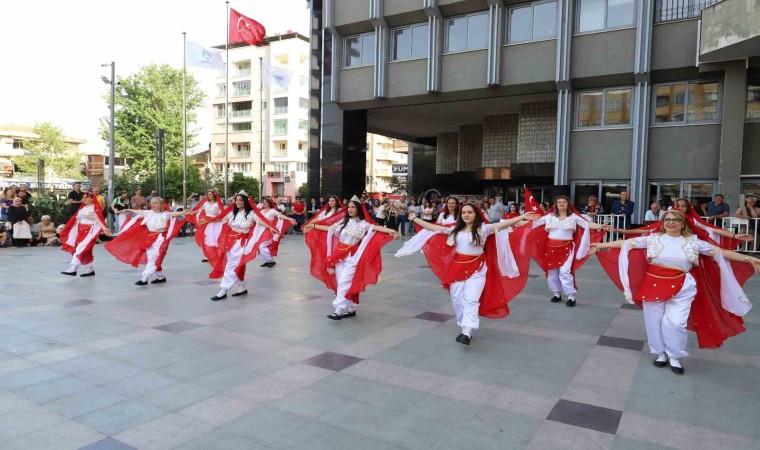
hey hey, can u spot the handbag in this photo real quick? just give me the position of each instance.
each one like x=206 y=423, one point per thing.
x=21 y=230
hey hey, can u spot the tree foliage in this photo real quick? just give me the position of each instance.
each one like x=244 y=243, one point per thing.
x=398 y=184
x=172 y=182
x=242 y=183
x=52 y=148
x=146 y=101
x=303 y=191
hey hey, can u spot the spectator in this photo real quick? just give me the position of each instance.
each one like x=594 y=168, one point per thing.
x=75 y=198
x=34 y=229
x=48 y=234
x=382 y=213
x=749 y=210
x=99 y=197
x=512 y=212
x=623 y=207
x=120 y=203
x=392 y=220
x=150 y=197
x=592 y=208
x=654 y=214
x=313 y=207
x=413 y=207
x=401 y=210
x=20 y=231
x=345 y=202
x=545 y=207
x=427 y=211
x=138 y=201
x=5 y=202
x=299 y=213
x=495 y=210
x=281 y=206
x=3 y=237
x=24 y=195
x=715 y=209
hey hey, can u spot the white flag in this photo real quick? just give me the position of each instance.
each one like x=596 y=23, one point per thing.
x=203 y=57
x=275 y=75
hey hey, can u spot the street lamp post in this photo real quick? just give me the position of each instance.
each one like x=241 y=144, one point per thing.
x=111 y=137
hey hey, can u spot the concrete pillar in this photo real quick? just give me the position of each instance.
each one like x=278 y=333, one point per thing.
x=732 y=131
x=565 y=20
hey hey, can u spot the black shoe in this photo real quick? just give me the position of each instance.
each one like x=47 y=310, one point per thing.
x=459 y=337
x=158 y=280
x=348 y=314
x=556 y=299
x=677 y=370
x=141 y=283
x=238 y=294
x=660 y=363
x=272 y=264
x=266 y=264
x=216 y=298
x=570 y=302
x=204 y=260
x=88 y=274
x=71 y=274
x=465 y=339
x=334 y=316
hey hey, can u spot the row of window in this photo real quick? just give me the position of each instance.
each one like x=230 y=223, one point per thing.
x=285 y=166
x=527 y=22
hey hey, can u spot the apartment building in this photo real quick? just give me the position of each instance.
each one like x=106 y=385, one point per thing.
x=383 y=155
x=659 y=97
x=268 y=126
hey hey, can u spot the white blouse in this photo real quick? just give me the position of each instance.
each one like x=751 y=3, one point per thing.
x=270 y=214
x=155 y=221
x=680 y=252
x=87 y=216
x=464 y=242
x=560 y=229
x=353 y=232
x=241 y=223
x=211 y=209
x=446 y=221
x=324 y=215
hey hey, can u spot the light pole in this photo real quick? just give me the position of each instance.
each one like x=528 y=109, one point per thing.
x=112 y=82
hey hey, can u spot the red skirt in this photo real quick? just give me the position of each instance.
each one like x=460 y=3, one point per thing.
x=556 y=253
x=462 y=268
x=660 y=284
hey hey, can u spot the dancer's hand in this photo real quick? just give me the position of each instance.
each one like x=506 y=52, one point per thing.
x=412 y=216
x=292 y=220
x=107 y=232
x=755 y=264
x=307 y=228
x=595 y=247
x=744 y=237
x=532 y=216
x=202 y=221
x=394 y=234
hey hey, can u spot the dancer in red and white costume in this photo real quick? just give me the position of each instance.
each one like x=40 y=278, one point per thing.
x=244 y=231
x=80 y=234
x=561 y=246
x=329 y=209
x=268 y=250
x=207 y=234
x=665 y=273
x=144 y=239
x=352 y=259
x=475 y=263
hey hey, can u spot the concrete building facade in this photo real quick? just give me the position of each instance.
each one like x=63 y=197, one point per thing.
x=659 y=97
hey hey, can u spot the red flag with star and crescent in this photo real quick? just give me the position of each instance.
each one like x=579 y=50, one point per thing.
x=245 y=29
x=531 y=204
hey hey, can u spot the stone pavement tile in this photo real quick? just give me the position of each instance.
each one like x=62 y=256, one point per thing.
x=163 y=433
x=264 y=390
x=522 y=402
x=110 y=373
x=663 y=405
x=263 y=425
x=10 y=402
x=122 y=416
x=471 y=391
x=28 y=420
x=308 y=403
x=597 y=395
x=108 y=444
x=595 y=418
x=27 y=377
x=332 y=361
x=224 y=379
x=618 y=342
x=177 y=396
x=219 y=439
x=624 y=443
x=141 y=384
x=295 y=353
x=263 y=364
x=218 y=410
x=85 y=402
x=178 y=327
x=81 y=363
x=368 y=443
x=13 y=364
x=143 y=335
x=630 y=306
x=413 y=432
x=68 y=435
x=434 y=316
x=190 y=368
x=559 y=436
x=369 y=391
x=625 y=333
x=78 y=302
x=358 y=417
x=396 y=375
x=316 y=436
x=53 y=389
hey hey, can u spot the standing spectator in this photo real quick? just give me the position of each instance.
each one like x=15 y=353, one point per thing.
x=313 y=207
x=120 y=203
x=382 y=213
x=392 y=220
x=75 y=198
x=138 y=201
x=401 y=209
x=299 y=213
x=5 y=202
x=150 y=197
x=99 y=197
x=495 y=210
x=749 y=210
x=48 y=234
x=715 y=209
x=413 y=207
x=592 y=208
x=20 y=231
x=654 y=214
x=24 y=195
x=623 y=207
x=427 y=211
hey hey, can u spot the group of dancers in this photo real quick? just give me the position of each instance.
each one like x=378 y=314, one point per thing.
x=680 y=270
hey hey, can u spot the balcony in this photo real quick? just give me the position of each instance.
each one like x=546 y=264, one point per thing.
x=672 y=10
x=241 y=113
x=730 y=30
x=241 y=93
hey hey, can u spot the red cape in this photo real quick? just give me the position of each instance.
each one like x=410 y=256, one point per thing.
x=200 y=230
x=126 y=246
x=64 y=236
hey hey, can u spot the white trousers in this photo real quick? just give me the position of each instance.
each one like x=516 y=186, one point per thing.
x=76 y=263
x=344 y=274
x=561 y=280
x=264 y=251
x=666 y=321
x=230 y=277
x=152 y=255
x=465 y=296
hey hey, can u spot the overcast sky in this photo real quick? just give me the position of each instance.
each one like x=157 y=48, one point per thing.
x=52 y=51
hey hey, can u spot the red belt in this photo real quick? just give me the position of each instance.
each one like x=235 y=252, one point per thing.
x=660 y=283
x=462 y=268
x=556 y=253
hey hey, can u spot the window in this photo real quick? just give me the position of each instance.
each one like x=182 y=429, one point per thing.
x=241 y=109
x=303 y=103
x=219 y=151
x=244 y=68
x=303 y=125
x=240 y=88
x=753 y=102
x=242 y=150
x=282 y=146
x=360 y=50
x=280 y=127
x=281 y=105
x=245 y=126
x=688 y=102
x=264 y=104
x=220 y=110
x=301 y=167
x=596 y=15
x=300 y=146
x=222 y=90
x=606 y=108
x=533 y=22
x=410 y=42
x=468 y=32
x=281 y=167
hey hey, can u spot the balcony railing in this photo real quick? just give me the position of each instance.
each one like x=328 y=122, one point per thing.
x=241 y=92
x=241 y=113
x=670 y=10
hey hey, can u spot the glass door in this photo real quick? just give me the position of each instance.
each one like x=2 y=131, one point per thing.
x=582 y=190
x=610 y=192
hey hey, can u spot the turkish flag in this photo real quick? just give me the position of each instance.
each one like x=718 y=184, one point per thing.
x=245 y=29
x=531 y=204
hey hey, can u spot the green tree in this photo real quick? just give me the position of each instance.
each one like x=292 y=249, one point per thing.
x=52 y=148
x=172 y=182
x=146 y=101
x=398 y=184
x=303 y=190
x=242 y=183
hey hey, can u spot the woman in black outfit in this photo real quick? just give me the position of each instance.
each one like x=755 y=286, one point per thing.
x=17 y=213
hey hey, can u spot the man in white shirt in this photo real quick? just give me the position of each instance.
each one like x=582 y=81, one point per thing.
x=495 y=210
x=654 y=214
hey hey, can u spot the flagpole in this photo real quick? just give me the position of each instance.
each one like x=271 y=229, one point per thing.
x=227 y=107
x=261 y=125
x=184 y=119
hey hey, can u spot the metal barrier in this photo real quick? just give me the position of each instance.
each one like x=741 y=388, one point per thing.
x=670 y=10
x=739 y=225
x=617 y=221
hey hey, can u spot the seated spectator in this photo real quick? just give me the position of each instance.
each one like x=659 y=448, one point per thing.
x=48 y=234
x=750 y=210
x=3 y=238
x=715 y=209
x=654 y=213
x=34 y=228
x=17 y=214
x=313 y=207
x=592 y=208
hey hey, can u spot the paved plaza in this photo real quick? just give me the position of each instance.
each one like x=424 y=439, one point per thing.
x=99 y=363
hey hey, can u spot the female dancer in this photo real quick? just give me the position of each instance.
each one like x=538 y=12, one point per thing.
x=450 y=212
x=680 y=286
x=511 y=211
x=480 y=273
x=268 y=250
x=561 y=246
x=349 y=265
x=330 y=208
x=145 y=239
x=244 y=231
x=80 y=233
x=207 y=234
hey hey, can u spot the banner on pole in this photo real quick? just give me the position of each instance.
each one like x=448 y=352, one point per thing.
x=275 y=75
x=200 y=56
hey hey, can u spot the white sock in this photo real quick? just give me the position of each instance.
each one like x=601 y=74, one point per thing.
x=557 y=294
x=221 y=293
x=467 y=331
x=571 y=297
x=662 y=358
x=674 y=362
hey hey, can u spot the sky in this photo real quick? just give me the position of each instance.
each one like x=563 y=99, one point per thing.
x=52 y=51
